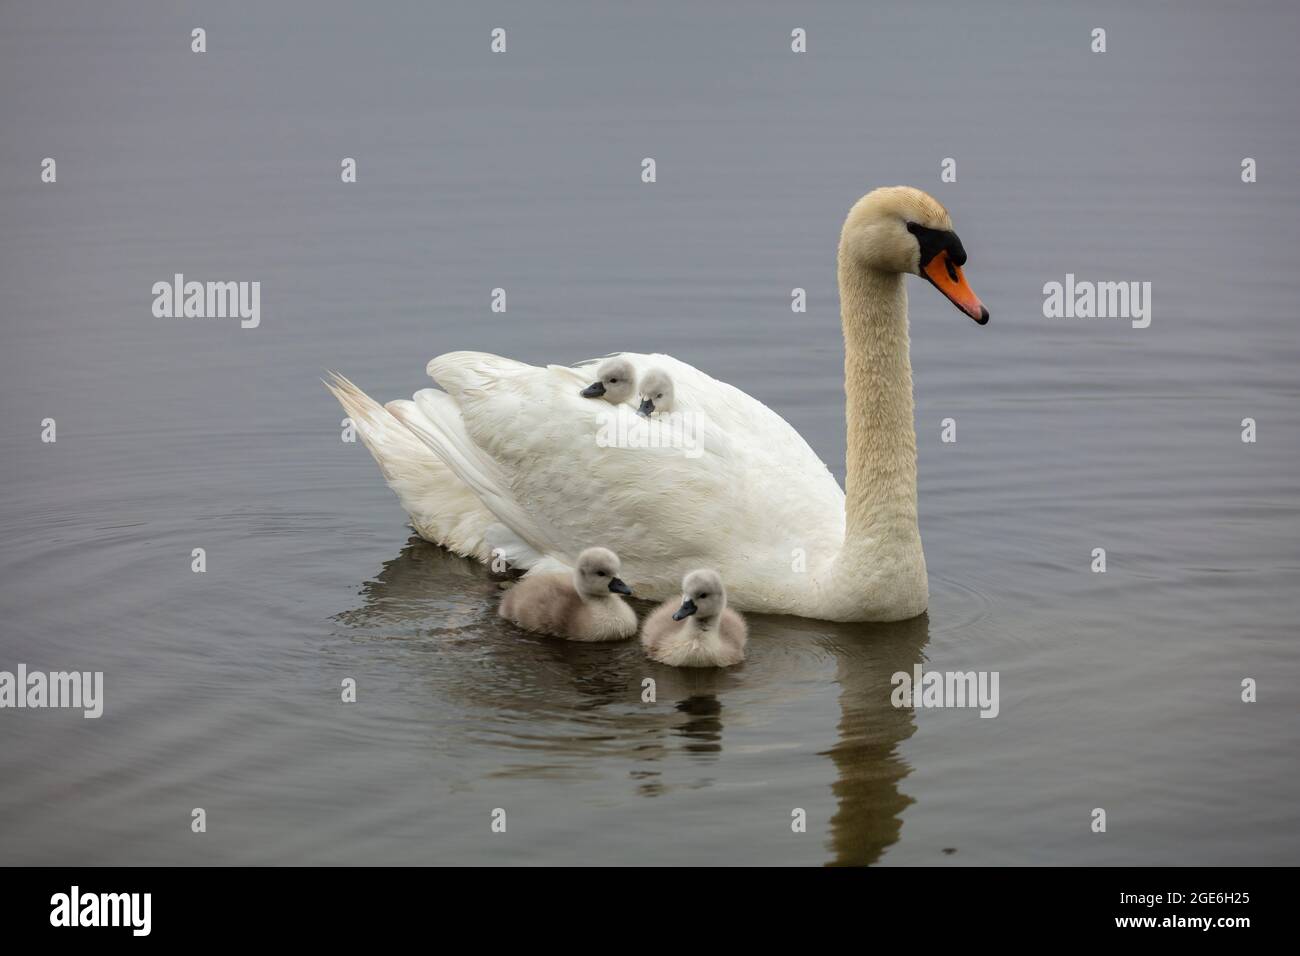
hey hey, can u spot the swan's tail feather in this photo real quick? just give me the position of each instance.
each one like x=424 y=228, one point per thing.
x=441 y=508
x=434 y=418
x=393 y=446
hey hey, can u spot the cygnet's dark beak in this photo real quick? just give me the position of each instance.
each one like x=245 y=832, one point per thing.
x=647 y=408
x=618 y=587
x=594 y=390
x=686 y=610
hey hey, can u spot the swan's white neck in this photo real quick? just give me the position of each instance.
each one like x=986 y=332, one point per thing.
x=880 y=480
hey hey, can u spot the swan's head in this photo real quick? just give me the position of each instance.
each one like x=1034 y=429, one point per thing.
x=901 y=229
x=615 y=382
x=655 y=392
x=597 y=574
x=702 y=596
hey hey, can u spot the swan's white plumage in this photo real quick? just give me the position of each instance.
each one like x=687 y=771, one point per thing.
x=525 y=444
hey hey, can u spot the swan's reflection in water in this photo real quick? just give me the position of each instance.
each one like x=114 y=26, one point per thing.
x=869 y=804
x=526 y=708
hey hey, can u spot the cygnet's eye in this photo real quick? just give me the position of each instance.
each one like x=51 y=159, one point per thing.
x=660 y=395
x=613 y=381
x=702 y=595
x=600 y=574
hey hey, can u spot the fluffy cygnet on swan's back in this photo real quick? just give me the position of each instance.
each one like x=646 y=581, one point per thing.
x=656 y=393
x=615 y=382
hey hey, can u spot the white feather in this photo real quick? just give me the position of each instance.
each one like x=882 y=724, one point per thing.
x=528 y=446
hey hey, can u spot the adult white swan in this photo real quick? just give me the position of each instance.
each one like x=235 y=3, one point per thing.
x=510 y=458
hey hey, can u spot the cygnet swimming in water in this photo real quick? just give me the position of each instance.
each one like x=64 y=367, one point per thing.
x=701 y=632
x=583 y=606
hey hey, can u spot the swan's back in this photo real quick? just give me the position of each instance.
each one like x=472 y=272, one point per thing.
x=553 y=479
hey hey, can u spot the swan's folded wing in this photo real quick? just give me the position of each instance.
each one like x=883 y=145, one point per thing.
x=569 y=473
x=784 y=492
x=462 y=372
x=434 y=419
x=750 y=424
x=564 y=473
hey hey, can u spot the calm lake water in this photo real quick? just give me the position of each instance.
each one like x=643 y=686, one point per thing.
x=1119 y=690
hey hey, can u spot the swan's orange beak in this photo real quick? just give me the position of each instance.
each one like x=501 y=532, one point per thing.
x=946 y=276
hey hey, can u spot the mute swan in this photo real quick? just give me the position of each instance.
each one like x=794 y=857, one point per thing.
x=655 y=392
x=702 y=632
x=582 y=606
x=615 y=382
x=516 y=470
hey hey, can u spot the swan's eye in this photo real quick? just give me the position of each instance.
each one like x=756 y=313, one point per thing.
x=702 y=596
x=613 y=381
x=600 y=574
x=660 y=395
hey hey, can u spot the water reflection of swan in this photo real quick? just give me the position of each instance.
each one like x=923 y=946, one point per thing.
x=531 y=708
x=869 y=804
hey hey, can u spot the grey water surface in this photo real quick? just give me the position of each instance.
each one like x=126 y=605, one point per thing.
x=522 y=170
